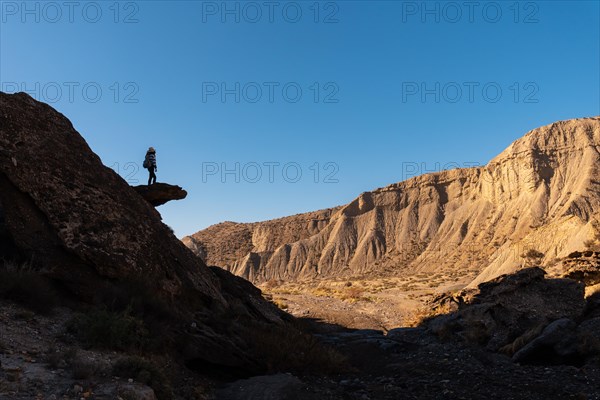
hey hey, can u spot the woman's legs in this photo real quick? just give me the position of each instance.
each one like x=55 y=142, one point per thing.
x=152 y=177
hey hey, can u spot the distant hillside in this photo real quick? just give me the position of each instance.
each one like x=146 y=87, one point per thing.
x=535 y=202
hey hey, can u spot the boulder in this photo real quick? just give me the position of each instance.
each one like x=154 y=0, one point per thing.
x=160 y=193
x=557 y=344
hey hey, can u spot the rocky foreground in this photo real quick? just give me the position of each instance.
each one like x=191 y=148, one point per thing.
x=521 y=336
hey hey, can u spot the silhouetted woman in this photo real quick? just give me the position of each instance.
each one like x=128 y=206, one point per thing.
x=150 y=163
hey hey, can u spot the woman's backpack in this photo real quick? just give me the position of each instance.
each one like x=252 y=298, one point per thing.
x=146 y=163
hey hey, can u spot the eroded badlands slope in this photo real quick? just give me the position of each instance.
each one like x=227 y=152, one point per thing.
x=536 y=201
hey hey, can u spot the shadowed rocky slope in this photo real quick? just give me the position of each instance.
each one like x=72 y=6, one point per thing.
x=79 y=223
x=535 y=202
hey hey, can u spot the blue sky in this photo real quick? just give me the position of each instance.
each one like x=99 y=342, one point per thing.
x=354 y=95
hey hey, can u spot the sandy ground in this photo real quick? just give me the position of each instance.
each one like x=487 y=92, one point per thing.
x=383 y=303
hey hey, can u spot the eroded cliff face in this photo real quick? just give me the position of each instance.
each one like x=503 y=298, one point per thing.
x=534 y=202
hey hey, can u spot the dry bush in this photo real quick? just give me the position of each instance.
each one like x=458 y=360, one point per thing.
x=60 y=358
x=417 y=317
x=287 y=349
x=532 y=254
x=280 y=303
x=146 y=372
x=476 y=331
x=322 y=291
x=135 y=299
x=272 y=284
x=83 y=369
x=353 y=294
x=423 y=314
x=287 y=289
x=109 y=330
x=522 y=340
x=22 y=285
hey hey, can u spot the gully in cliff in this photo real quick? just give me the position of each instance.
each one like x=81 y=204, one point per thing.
x=150 y=165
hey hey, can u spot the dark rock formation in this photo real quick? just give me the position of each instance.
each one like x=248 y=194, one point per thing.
x=81 y=224
x=160 y=193
x=583 y=266
x=509 y=311
x=557 y=344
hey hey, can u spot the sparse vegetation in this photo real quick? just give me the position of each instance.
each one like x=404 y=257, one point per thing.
x=110 y=330
x=522 y=340
x=423 y=314
x=60 y=358
x=144 y=371
x=20 y=284
x=280 y=303
x=353 y=294
x=69 y=358
x=532 y=253
x=272 y=284
x=82 y=368
x=134 y=304
x=532 y=257
x=287 y=349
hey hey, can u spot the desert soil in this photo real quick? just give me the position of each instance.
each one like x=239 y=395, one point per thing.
x=362 y=303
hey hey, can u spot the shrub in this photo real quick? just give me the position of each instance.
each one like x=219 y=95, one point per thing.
x=82 y=369
x=110 y=330
x=281 y=304
x=145 y=372
x=511 y=348
x=531 y=253
x=352 y=293
x=60 y=358
x=138 y=300
x=133 y=295
x=422 y=315
x=272 y=284
x=287 y=349
x=22 y=285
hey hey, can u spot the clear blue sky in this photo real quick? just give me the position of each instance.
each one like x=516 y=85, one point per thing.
x=389 y=89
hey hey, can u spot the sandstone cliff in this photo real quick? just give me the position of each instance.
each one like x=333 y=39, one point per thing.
x=532 y=204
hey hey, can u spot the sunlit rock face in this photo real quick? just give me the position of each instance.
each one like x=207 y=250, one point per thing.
x=542 y=193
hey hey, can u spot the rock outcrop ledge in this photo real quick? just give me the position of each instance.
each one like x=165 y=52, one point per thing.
x=160 y=193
